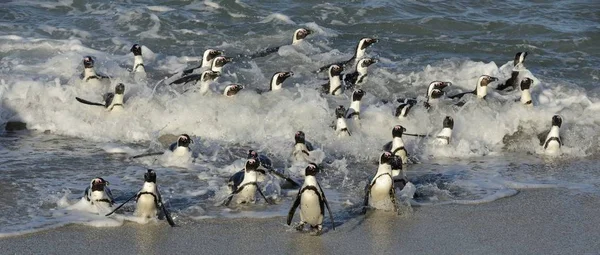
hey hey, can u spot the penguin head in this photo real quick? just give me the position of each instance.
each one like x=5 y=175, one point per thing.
x=232 y=90
x=366 y=42
x=252 y=165
x=150 y=176
x=386 y=158
x=184 y=140
x=311 y=170
x=335 y=70
x=484 y=80
x=526 y=83
x=436 y=89
x=252 y=154
x=358 y=94
x=340 y=111
x=300 y=34
x=209 y=75
x=300 y=137
x=120 y=89
x=520 y=58
x=448 y=122
x=366 y=62
x=136 y=49
x=211 y=54
x=279 y=78
x=98 y=184
x=88 y=62
x=556 y=120
x=397 y=131
x=220 y=61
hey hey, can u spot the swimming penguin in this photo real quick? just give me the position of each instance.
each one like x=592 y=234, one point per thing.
x=404 y=108
x=525 y=94
x=232 y=90
x=278 y=79
x=99 y=193
x=481 y=88
x=552 y=141
x=219 y=62
x=396 y=146
x=202 y=80
x=112 y=101
x=312 y=202
x=334 y=86
x=299 y=35
x=445 y=135
x=207 y=61
x=341 y=127
x=244 y=189
x=435 y=92
x=380 y=192
x=518 y=64
x=359 y=75
x=89 y=74
x=265 y=167
x=302 y=148
x=138 y=60
x=354 y=111
x=182 y=146
x=359 y=54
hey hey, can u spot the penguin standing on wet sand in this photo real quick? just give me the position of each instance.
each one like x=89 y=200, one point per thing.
x=480 y=89
x=380 y=192
x=302 y=148
x=445 y=135
x=112 y=101
x=359 y=54
x=98 y=193
x=244 y=190
x=359 y=76
x=525 y=92
x=518 y=64
x=148 y=200
x=299 y=35
x=341 y=127
x=334 y=86
x=552 y=142
x=312 y=202
x=396 y=146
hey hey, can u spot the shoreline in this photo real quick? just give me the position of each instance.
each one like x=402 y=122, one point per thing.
x=548 y=221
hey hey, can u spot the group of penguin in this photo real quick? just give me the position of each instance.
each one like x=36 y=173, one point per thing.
x=380 y=192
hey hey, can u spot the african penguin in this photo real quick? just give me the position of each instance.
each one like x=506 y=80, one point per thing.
x=302 y=148
x=219 y=62
x=334 y=86
x=202 y=80
x=138 y=60
x=89 y=73
x=112 y=101
x=553 y=140
x=354 y=111
x=244 y=189
x=278 y=79
x=232 y=90
x=380 y=192
x=182 y=146
x=445 y=135
x=480 y=89
x=207 y=61
x=359 y=75
x=396 y=146
x=98 y=193
x=525 y=94
x=299 y=35
x=312 y=202
x=341 y=127
x=518 y=64
x=404 y=108
x=435 y=92
x=359 y=54
x=148 y=198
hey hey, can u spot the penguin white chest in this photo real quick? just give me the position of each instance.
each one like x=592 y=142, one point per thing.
x=246 y=195
x=310 y=209
x=380 y=193
x=300 y=152
x=341 y=127
x=181 y=151
x=335 y=86
x=146 y=206
x=399 y=150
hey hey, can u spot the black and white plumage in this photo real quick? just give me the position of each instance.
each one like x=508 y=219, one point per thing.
x=206 y=63
x=359 y=54
x=480 y=89
x=204 y=77
x=444 y=137
x=97 y=193
x=380 y=192
x=182 y=146
x=353 y=111
x=298 y=36
x=340 y=125
x=551 y=140
x=232 y=90
x=219 y=62
x=396 y=146
x=513 y=81
x=526 y=99
x=112 y=101
x=89 y=73
x=435 y=92
x=334 y=86
x=244 y=187
x=138 y=60
x=359 y=75
x=404 y=108
x=278 y=79
x=302 y=148
x=312 y=202
x=265 y=167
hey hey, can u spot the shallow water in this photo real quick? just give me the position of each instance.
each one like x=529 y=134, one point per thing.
x=43 y=173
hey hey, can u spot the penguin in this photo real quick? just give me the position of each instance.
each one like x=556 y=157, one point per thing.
x=359 y=54
x=219 y=62
x=340 y=126
x=513 y=81
x=89 y=74
x=312 y=202
x=244 y=189
x=182 y=146
x=553 y=141
x=299 y=35
x=207 y=61
x=99 y=193
x=232 y=90
x=265 y=167
x=380 y=192
x=435 y=91
x=202 y=80
x=138 y=60
x=148 y=199
x=525 y=94
x=302 y=148
x=396 y=146
x=334 y=86
x=354 y=111
x=445 y=135
x=359 y=75
x=404 y=108
x=481 y=88
x=398 y=175
x=278 y=79
x=112 y=101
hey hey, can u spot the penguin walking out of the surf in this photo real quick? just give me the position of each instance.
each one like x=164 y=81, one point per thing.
x=340 y=125
x=334 y=86
x=312 y=202
x=359 y=76
x=552 y=142
x=380 y=192
x=359 y=54
x=435 y=92
x=244 y=189
x=525 y=92
x=112 y=101
x=513 y=81
x=98 y=193
x=445 y=135
x=139 y=70
x=396 y=146
x=299 y=35
x=480 y=89
x=265 y=167
x=302 y=148
x=89 y=73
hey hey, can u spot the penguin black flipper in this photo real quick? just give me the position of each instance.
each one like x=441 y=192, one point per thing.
x=327 y=205
x=294 y=206
x=387 y=146
x=187 y=78
x=236 y=179
x=460 y=95
x=350 y=79
x=510 y=83
x=264 y=53
x=542 y=136
x=308 y=146
x=367 y=194
x=119 y=207
x=286 y=178
x=148 y=154
x=165 y=211
x=191 y=70
x=83 y=101
x=259 y=189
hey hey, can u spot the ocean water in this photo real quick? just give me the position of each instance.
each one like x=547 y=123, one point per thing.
x=44 y=170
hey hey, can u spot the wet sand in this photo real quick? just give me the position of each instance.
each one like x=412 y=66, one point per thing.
x=540 y=221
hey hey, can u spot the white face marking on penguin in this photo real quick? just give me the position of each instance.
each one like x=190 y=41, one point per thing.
x=233 y=89
x=335 y=70
x=484 y=80
x=357 y=95
x=311 y=170
x=220 y=61
x=98 y=184
x=366 y=62
x=88 y=62
x=184 y=140
x=150 y=176
x=398 y=130
x=526 y=83
x=366 y=42
x=136 y=49
x=436 y=89
x=385 y=158
x=210 y=75
x=300 y=34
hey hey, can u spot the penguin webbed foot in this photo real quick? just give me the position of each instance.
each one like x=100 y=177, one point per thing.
x=316 y=230
x=300 y=226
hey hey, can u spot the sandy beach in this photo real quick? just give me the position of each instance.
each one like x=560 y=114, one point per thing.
x=541 y=221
